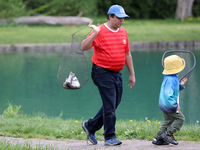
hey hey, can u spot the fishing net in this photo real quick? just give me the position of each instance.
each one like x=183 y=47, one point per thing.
x=73 y=72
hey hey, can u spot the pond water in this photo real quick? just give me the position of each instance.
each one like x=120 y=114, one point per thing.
x=30 y=80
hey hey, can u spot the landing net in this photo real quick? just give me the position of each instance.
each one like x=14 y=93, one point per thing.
x=73 y=67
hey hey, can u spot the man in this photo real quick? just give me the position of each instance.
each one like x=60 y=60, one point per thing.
x=111 y=52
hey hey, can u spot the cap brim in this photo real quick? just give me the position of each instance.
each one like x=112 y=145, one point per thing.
x=121 y=15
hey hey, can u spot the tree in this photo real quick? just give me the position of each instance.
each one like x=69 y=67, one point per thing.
x=184 y=9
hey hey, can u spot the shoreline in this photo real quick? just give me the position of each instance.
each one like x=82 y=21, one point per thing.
x=134 y=46
x=69 y=144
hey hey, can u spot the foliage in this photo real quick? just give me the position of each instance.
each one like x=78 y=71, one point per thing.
x=196 y=8
x=132 y=8
x=142 y=129
x=55 y=128
x=142 y=8
x=11 y=111
x=103 y=6
x=137 y=9
x=163 y=9
x=191 y=129
x=146 y=9
x=12 y=8
x=62 y=7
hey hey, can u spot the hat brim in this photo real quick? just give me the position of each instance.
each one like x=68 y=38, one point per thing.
x=174 y=71
x=121 y=15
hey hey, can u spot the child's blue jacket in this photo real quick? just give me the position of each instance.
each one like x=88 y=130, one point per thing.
x=169 y=93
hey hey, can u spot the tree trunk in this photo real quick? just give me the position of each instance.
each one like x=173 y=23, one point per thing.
x=184 y=9
x=52 y=20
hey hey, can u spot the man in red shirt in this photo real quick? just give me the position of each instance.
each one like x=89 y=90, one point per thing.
x=111 y=52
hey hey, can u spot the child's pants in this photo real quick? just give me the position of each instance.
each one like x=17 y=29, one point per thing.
x=172 y=123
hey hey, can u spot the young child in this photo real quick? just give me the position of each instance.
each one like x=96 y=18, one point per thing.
x=173 y=118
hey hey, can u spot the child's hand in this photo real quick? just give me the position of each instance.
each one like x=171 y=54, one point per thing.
x=178 y=110
x=184 y=81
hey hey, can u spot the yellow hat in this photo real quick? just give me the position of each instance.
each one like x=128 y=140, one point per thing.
x=173 y=64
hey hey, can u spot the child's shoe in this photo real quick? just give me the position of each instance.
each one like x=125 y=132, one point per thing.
x=168 y=137
x=159 y=141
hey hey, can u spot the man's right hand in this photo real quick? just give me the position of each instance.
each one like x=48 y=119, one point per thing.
x=95 y=28
x=86 y=43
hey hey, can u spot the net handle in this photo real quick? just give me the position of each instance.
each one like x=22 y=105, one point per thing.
x=80 y=30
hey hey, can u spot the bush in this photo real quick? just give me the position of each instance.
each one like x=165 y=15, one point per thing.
x=146 y=9
x=11 y=111
x=137 y=9
x=62 y=7
x=12 y=8
x=196 y=8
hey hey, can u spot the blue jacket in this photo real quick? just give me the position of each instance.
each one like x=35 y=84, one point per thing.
x=169 y=93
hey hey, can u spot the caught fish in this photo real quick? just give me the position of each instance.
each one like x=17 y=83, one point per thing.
x=71 y=82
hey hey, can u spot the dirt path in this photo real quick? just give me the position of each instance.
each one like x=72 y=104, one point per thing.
x=82 y=145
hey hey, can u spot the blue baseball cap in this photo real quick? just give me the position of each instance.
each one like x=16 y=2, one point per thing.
x=118 y=11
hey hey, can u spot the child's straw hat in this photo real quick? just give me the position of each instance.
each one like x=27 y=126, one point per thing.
x=173 y=64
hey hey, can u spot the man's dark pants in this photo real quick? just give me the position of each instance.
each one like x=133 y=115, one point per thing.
x=110 y=88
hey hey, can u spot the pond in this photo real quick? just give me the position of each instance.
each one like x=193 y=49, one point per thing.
x=30 y=80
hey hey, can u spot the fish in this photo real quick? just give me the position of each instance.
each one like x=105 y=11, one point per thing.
x=71 y=82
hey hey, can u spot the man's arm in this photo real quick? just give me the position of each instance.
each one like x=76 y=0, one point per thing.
x=129 y=64
x=86 y=43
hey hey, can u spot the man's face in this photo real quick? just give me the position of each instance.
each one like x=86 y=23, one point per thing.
x=116 y=22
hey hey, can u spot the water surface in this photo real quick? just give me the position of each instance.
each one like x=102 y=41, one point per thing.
x=30 y=80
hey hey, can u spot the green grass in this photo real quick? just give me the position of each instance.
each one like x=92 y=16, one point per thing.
x=138 y=31
x=15 y=124
x=41 y=126
x=9 y=145
x=166 y=30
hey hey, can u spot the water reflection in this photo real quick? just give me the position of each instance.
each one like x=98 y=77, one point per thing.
x=29 y=80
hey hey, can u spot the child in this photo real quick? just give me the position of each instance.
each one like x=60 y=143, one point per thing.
x=170 y=88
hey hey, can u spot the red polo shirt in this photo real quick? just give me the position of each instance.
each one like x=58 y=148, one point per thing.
x=110 y=48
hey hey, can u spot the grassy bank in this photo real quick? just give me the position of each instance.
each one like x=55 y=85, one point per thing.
x=9 y=145
x=14 y=124
x=138 y=31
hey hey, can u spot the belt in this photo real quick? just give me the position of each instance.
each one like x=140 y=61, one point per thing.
x=105 y=68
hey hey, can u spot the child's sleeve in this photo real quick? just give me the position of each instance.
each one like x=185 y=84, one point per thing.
x=181 y=87
x=170 y=96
